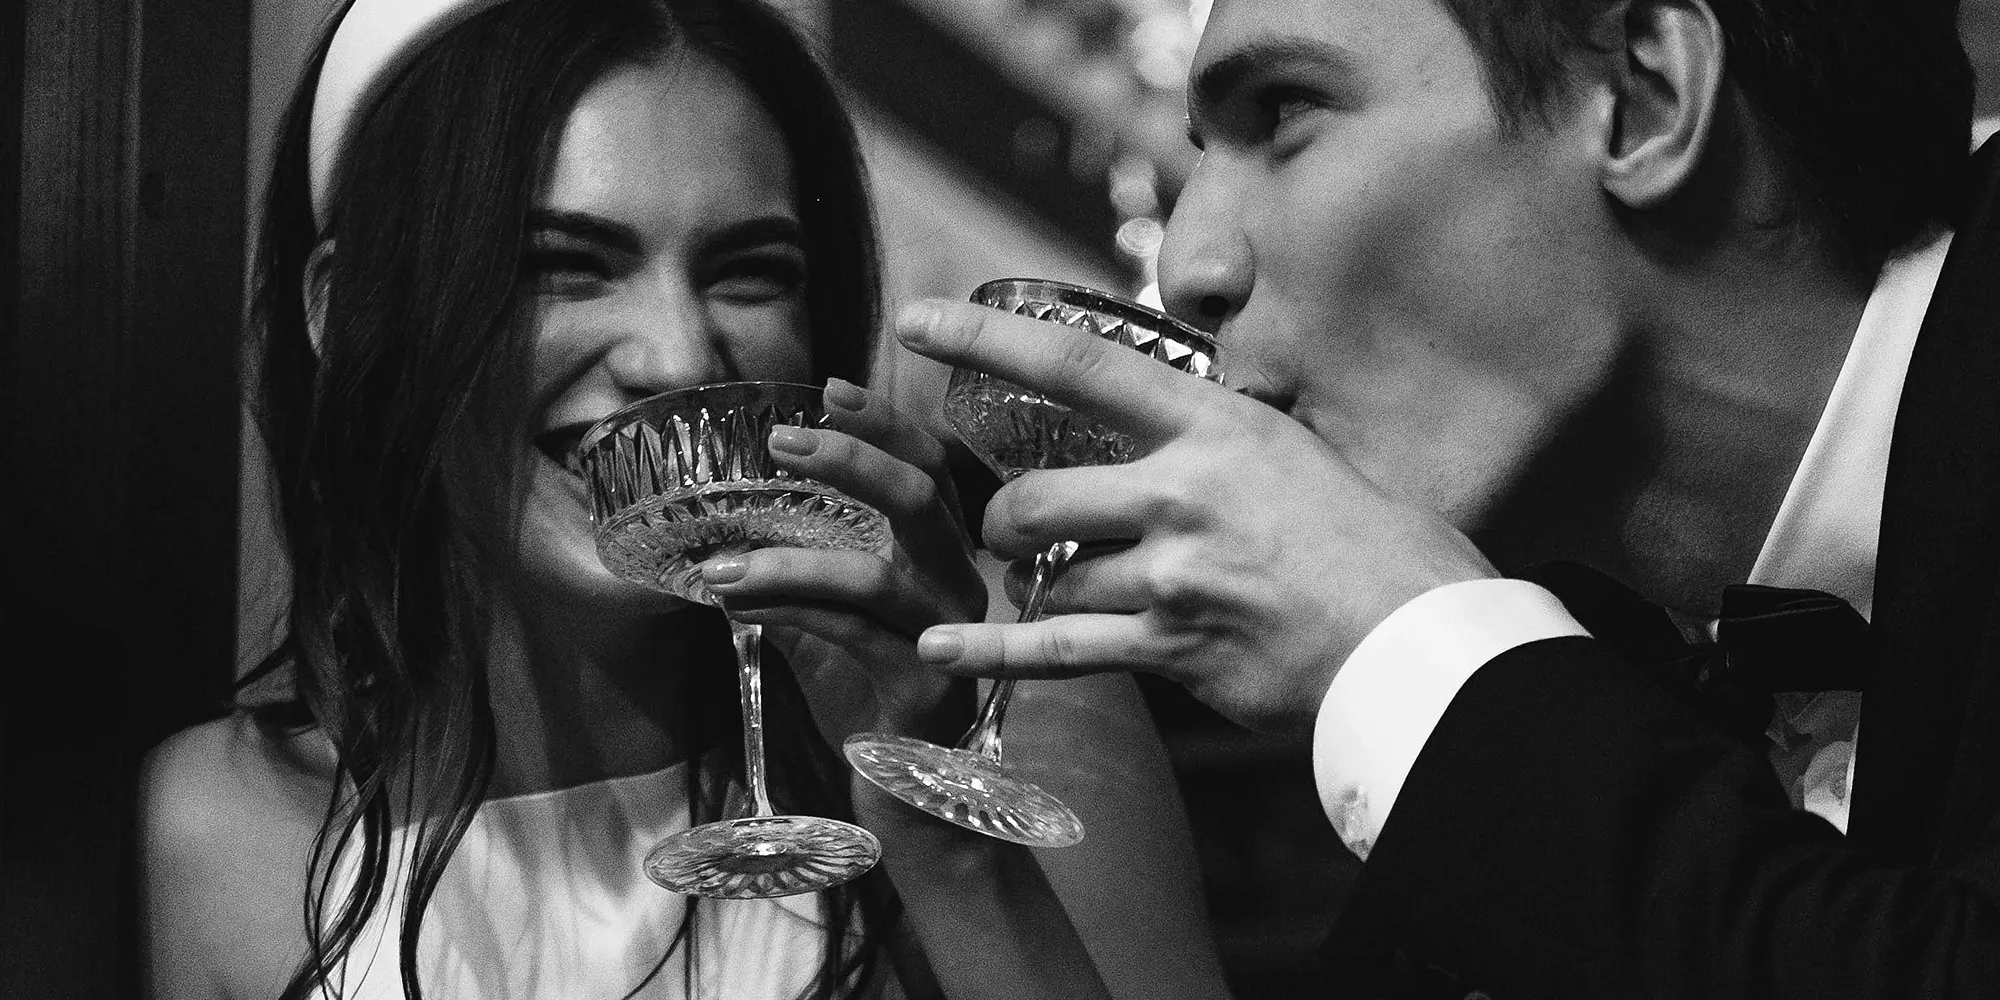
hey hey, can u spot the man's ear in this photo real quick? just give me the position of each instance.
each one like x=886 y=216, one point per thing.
x=1666 y=78
x=318 y=277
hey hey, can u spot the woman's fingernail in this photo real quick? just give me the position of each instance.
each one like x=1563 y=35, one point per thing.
x=940 y=645
x=845 y=394
x=724 y=571
x=793 y=440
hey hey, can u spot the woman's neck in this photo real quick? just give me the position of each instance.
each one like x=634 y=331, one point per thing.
x=577 y=701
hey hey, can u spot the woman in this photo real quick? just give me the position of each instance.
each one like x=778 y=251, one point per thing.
x=492 y=222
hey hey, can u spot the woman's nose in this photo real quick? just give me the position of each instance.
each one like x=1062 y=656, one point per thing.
x=1205 y=264
x=666 y=340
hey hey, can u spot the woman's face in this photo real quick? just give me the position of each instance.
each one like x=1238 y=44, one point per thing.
x=665 y=251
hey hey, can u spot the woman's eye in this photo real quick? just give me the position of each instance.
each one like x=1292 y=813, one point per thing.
x=563 y=272
x=759 y=278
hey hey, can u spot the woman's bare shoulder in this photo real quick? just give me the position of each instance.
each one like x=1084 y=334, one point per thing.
x=234 y=782
x=228 y=812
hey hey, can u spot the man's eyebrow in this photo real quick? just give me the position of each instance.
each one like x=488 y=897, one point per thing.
x=585 y=226
x=1214 y=84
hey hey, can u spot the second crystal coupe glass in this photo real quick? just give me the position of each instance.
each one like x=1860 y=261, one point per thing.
x=1014 y=430
x=687 y=476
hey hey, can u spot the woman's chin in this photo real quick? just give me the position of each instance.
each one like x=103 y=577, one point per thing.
x=593 y=593
x=560 y=567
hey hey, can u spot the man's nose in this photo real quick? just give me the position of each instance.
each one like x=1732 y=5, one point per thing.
x=668 y=339
x=1206 y=271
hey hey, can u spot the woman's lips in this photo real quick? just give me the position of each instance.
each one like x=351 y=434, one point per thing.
x=560 y=444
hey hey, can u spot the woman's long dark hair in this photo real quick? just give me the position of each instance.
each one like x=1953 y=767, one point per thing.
x=422 y=359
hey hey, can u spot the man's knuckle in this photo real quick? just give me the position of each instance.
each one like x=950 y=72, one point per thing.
x=881 y=579
x=920 y=491
x=1060 y=648
x=1077 y=358
x=1029 y=510
x=1165 y=503
x=1176 y=580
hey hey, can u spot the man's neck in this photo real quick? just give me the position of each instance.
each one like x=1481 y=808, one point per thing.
x=1740 y=360
x=1670 y=477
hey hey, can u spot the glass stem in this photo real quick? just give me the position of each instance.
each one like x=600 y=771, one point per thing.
x=749 y=682
x=984 y=736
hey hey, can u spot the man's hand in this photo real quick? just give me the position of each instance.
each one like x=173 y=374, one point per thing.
x=1255 y=558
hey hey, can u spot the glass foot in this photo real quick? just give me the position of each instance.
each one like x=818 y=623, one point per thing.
x=965 y=788
x=759 y=857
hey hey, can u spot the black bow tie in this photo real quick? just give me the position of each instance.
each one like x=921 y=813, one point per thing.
x=1768 y=640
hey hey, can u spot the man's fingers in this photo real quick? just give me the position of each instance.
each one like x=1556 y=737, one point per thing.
x=1064 y=646
x=1126 y=389
x=1089 y=503
x=1098 y=579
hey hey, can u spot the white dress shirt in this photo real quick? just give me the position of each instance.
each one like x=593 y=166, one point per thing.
x=1389 y=695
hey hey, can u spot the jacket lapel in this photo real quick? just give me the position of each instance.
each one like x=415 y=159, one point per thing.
x=1929 y=708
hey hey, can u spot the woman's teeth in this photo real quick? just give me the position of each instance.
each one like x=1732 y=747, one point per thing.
x=560 y=447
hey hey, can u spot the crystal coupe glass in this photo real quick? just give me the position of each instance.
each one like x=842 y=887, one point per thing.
x=683 y=477
x=1013 y=430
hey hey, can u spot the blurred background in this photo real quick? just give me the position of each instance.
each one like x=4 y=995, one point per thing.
x=1004 y=138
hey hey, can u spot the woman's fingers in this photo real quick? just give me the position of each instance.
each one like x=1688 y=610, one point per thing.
x=857 y=468
x=870 y=416
x=925 y=524
x=863 y=581
x=842 y=625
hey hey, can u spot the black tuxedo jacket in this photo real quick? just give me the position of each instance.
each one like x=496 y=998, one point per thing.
x=1573 y=830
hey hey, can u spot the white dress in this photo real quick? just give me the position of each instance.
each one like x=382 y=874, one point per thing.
x=544 y=900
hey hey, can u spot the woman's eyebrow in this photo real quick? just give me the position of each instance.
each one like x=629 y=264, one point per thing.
x=585 y=226
x=756 y=232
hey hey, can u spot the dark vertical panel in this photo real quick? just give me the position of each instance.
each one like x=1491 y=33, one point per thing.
x=125 y=267
x=11 y=26
x=65 y=821
x=187 y=295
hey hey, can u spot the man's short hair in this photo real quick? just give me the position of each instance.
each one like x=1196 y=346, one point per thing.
x=1869 y=100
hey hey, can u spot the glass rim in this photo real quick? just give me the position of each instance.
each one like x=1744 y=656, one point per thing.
x=633 y=411
x=1098 y=299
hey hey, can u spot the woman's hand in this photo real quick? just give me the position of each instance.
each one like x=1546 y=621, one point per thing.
x=848 y=621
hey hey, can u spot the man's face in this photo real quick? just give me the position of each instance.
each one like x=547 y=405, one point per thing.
x=1381 y=257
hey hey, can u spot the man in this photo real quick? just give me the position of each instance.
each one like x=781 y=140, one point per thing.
x=1631 y=284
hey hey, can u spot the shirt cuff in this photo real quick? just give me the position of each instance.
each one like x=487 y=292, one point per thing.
x=1389 y=695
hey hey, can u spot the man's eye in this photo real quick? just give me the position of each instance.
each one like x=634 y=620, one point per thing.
x=759 y=278
x=1283 y=107
x=1291 y=108
x=563 y=272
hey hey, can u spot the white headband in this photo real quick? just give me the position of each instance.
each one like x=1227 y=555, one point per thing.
x=374 y=41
